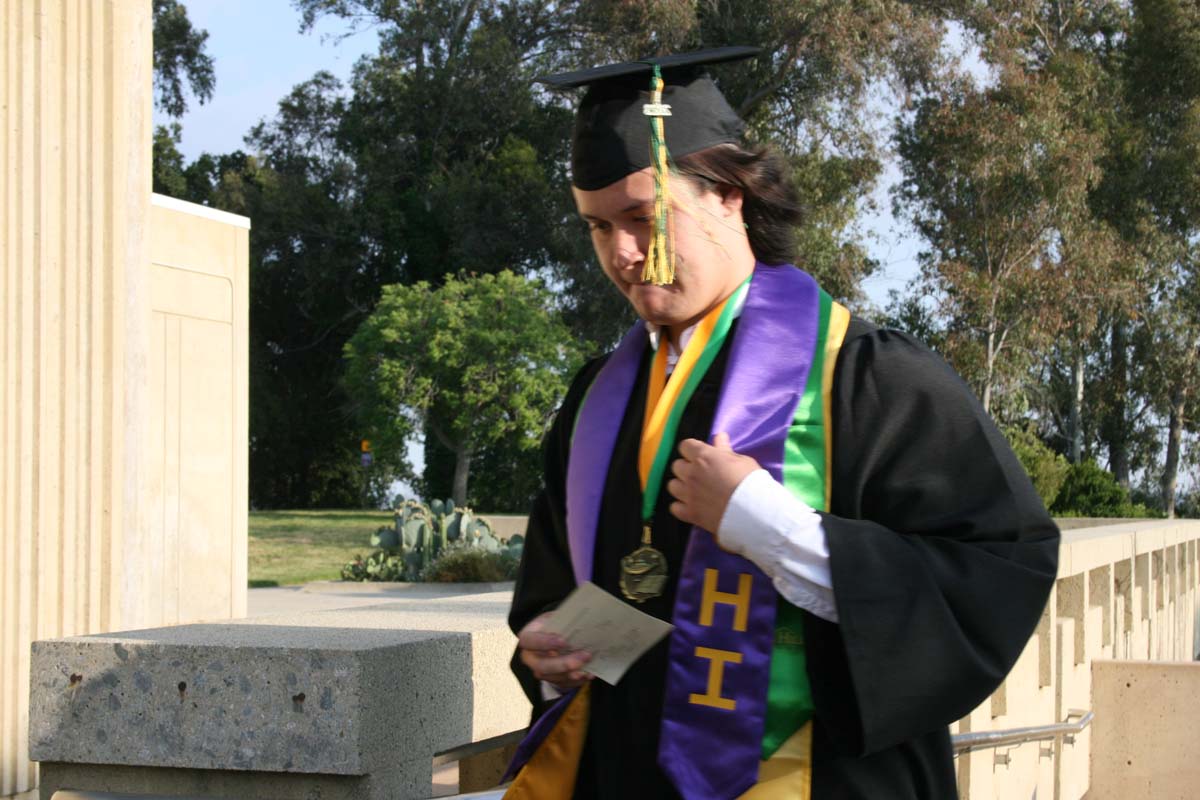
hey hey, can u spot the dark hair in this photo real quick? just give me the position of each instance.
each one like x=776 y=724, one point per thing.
x=770 y=206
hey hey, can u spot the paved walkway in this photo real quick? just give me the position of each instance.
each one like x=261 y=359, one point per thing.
x=328 y=595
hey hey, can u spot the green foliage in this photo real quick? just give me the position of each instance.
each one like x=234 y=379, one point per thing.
x=179 y=59
x=422 y=537
x=1090 y=491
x=509 y=474
x=995 y=180
x=831 y=188
x=1187 y=505
x=462 y=159
x=169 y=167
x=382 y=565
x=478 y=361
x=470 y=565
x=311 y=284
x=1047 y=469
x=1160 y=179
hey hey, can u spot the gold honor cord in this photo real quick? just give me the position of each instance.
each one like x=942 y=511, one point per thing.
x=644 y=571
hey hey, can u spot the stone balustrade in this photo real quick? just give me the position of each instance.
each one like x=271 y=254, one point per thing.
x=357 y=702
x=1124 y=591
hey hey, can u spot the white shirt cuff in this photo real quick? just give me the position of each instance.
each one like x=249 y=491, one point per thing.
x=783 y=536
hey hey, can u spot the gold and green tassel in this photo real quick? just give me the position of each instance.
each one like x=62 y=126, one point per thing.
x=659 y=268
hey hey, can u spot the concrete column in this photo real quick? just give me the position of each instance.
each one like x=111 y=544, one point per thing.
x=85 y=293
x=75 y=171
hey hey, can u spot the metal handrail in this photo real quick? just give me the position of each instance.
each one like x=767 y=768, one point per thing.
x=968 y=742
x=475 y=748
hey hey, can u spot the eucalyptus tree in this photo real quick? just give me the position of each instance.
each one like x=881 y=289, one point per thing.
x=1028 y=270
x=182 y=64
x=1081 y=45
x=989 y=174
x=1154 y=188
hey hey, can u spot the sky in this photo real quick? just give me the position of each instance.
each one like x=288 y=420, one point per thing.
x=260 y=54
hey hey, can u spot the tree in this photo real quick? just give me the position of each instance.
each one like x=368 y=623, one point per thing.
x=1089 y=491
x=1053 y=81
x=180 y=59
x=989 y=177
x=169 y=165
x=460 y=159
x=312 y=283
x=180 y=63
x=1046 y=469
x=473 y=63
x=442 y=154
x=1154 y=187
x=474 y=361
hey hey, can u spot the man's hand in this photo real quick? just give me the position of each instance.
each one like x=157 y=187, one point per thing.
x=550 y=657
x=705 y=479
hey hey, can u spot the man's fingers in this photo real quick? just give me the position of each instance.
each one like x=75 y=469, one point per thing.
x=681 y=511
x=721 y=441
x=541 y=640
x=682 y=469
x=553 y=668
x=677 y=489
x=691 y=449
x=550 y=658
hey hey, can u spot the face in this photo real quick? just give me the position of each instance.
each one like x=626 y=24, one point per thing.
x=712 y=254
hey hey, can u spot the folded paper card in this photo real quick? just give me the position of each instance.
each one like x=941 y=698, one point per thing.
x=614 y=632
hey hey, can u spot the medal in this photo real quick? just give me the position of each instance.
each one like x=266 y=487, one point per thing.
x=644 y=571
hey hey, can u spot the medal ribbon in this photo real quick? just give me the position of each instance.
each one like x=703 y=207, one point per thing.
x=666 y=398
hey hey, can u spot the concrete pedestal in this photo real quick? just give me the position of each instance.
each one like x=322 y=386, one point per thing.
x=351 y=703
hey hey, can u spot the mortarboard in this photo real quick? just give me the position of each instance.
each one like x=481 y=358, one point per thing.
x=636 y=113
x=612 y=134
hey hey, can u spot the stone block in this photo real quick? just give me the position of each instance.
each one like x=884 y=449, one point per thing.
x=401 y=780
x=358 y=693
x=1146 y=728
x=484 y=770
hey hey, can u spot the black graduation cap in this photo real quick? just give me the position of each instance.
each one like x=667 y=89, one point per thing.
x=612 y=134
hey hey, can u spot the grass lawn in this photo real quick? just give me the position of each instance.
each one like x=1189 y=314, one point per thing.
x=288 y=547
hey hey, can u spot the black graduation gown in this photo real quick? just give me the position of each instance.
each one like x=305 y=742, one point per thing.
x=942 y=558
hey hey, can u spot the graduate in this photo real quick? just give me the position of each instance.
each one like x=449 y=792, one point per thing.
x=850 y=553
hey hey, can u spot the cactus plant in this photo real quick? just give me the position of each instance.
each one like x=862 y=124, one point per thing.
x=385 y=538
x=516 y=546
x=423 y=534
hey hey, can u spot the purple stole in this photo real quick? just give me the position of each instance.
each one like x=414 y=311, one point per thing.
x=720 y=651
